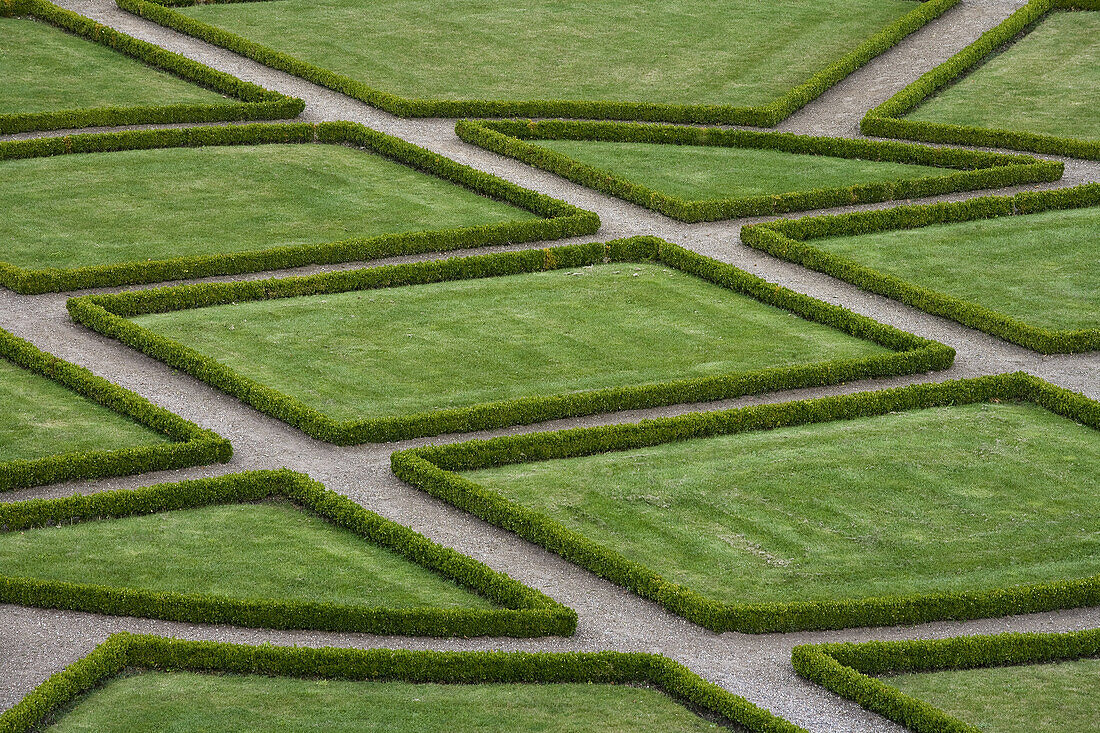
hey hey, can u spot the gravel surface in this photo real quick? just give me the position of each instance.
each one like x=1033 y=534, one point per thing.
x=35 y=643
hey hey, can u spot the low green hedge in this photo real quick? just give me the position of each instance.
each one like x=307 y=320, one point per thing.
x=849 y=669
x=767 y=115
x=108 y=315
x=886 y=119
x=256 y=103
x=126 y=651
x=559 y=219
x=526 y=611
x=435 y=469
x=975 y=169
x=190 y=446
x=790 y=240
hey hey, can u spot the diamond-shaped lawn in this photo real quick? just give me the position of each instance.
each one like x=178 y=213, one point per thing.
x=45 y=69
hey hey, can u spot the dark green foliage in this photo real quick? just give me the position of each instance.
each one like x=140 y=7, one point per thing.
x=560 y=219
x=191 y=444
x=767 y=115
x=108 y=313
x=435 y=469
x=975 y=169
x=122 y=651
x=789 y=239
x=527 y=612
x=849 y=669
x=256 y=102
x=885 y=120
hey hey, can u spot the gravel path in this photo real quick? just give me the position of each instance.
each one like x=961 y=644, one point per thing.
x=35 y=643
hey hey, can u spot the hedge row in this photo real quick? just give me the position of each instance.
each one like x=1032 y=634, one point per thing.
x=975 y=169
x=526 y=611
x=885 y=120
x=559 y=219
x=436 y=470
x=850 y=669
x=256 y=103
x=108 y=314
x=191 y=444
x=131 y=651
x=789 y=240
x=767 y=115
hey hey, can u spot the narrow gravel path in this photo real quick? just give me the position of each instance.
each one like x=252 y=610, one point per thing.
x=35 y=643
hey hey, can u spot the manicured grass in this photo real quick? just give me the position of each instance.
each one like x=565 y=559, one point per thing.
x=42 y=418
x=244 y=551
x=743 y=53
x=1030 y=698
x=1041 y=268
x=1046 y=82
x=402 y=350
x=44 y=69
x=956 y=498
x=710 y=172
x=185 y=701
x=134 y=205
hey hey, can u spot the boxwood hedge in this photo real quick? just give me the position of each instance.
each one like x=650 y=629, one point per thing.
x=767 y=115
x=190 y=446
x=558 y=218
x=974 y=170
x=436 y=470
x=124 y=651
x=791 y=240
x=108 y=314
x=526 y=611
x=255 y=102
x=850 y=669
x=886 y=119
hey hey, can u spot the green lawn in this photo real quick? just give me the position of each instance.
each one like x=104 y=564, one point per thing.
x=403 y=350
x=689 y=51
x=243 y=551
x=45 y=69
x=42 y=418
x=184 y=701
x=105 y=208
x=1031 y=698
x=1043 y=269
x=1006 y=92
x=946 y=499
x=702 y=172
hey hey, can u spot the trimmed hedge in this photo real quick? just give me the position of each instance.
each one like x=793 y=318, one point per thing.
x=526 y=611
x=256 y=103
x=131 y=651
x=559 y=219
x=789 y=240
x=975 y=169
x=191 y=444
x=849 y=669
x=768 y=115
x=435 y=469
x=886 y=119
x=108 y=315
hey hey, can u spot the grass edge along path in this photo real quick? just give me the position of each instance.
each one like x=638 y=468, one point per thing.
x=972 y=169
x=791 y=240
x=558 y=219
x=129 y=651
x=190 y=445
x=760 y=116
x=436 y=470
x=254 y=102
x=108 y=315
x=851 y=669
x=526 y=612
x=886 y=120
